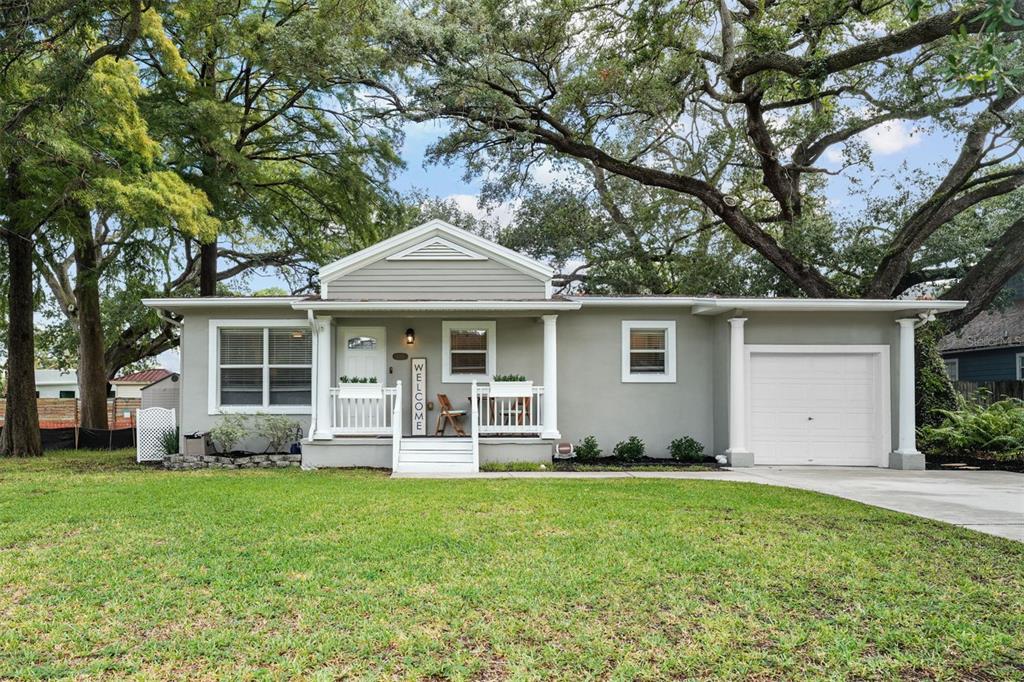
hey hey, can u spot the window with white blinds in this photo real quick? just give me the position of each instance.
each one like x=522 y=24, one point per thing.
x=468 y=351
x=263 y=367
x=648 y=351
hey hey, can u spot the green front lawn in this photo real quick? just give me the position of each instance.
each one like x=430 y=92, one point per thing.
x=108 y=569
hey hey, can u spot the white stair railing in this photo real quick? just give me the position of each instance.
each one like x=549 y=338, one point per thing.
x=474 y=424
x=362 y=409
x=396 y=426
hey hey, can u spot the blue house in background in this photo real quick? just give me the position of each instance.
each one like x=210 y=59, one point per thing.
x=991 y=346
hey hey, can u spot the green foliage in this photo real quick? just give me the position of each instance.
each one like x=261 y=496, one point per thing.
x=935 y=392
x=356 y=380
x=229 y=432
x=513 y=466
x=170 y=441
x=508 y=377
x=278 y=429
x=996 y=430
x=686 y=449
x=587 y=449
x=631 y=449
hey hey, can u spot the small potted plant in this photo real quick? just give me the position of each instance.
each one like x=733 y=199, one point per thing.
x=510 y=386
x=359 y=387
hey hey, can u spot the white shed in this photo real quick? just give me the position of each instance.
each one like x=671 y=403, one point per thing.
x=163 y=392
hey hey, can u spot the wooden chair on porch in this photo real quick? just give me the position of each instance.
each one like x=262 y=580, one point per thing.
x=448 y=415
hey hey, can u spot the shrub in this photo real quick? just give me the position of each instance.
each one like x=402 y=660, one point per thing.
x=996 y=431
x=935 y=392
x=278 y=430
x=231 y=429
x=508 y=377
x=170 y=441
x=686 y=449
x=588 y=449
x=356 y=380
x=630 y=449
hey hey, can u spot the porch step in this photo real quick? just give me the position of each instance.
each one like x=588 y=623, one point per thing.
x=436 y=455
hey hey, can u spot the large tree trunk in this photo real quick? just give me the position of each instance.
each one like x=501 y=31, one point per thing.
x=208 y=269
x=92 y=372
x=20 y=435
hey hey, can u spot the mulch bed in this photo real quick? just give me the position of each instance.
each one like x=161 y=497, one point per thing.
x=615 y=463
x=979 y=461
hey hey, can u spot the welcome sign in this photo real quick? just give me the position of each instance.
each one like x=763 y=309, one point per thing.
x=419 y=396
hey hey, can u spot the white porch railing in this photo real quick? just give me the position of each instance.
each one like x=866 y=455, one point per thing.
x=359 y=410
x=396 y=426
x=508 y=415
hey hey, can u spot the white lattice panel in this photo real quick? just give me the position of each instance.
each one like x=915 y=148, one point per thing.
x=151 y=424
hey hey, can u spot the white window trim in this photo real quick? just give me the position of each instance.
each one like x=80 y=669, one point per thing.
x=213 y=369
x=1020 y=366
x=446 y=356
x=669 y=377
x=955 y=374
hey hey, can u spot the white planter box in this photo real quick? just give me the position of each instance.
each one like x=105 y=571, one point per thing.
x=361 y=391
x=511 y=389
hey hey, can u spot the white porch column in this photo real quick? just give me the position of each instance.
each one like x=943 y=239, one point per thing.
x=550 y=415
x=906 y=456
x=323 y=344
x=738 y=454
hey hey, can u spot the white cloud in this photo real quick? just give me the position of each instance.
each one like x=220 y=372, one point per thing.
x=502 y=213
x=891 y=137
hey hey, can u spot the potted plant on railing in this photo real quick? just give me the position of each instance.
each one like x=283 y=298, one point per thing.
x=359 y=387
x=510 y=386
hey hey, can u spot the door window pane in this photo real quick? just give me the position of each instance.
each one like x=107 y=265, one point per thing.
x=362 y=343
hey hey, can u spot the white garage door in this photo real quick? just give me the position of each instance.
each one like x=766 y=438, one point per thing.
x=817 y=408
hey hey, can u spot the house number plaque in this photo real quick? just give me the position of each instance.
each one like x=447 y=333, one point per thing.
x=419 y=396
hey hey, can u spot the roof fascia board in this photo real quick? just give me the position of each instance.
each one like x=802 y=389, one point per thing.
x=430 y=306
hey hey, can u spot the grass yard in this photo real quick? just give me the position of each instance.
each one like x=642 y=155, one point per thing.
x=111 y=570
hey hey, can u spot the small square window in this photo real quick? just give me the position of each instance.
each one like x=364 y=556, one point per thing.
x=648 y=351
x=952 y=368
x=468 y=351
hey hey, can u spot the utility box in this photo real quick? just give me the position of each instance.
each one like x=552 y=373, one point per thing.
x=197 y=444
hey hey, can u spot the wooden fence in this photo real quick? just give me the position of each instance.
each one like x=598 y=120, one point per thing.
x=993 y=390
x=64 y=412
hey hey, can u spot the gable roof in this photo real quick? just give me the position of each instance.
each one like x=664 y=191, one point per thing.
x=990 y=329
x=435 y=240
x=145 y=377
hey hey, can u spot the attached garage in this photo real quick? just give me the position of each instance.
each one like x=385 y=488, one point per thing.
x=824 y=405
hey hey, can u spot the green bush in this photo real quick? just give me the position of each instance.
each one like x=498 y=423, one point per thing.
x=356 y=380
x=935 y=392
x=686 y=449
x=508 y=377
x=229 y=432
x=170 y=441
x=994 y=431
x=588 y=449
x=630 y=449
x=279 y=431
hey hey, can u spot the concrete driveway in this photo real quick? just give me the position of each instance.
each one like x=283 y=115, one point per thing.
x=988 y=501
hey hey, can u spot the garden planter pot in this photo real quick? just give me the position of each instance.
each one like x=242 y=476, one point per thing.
x=511 y=389
x=360 y=391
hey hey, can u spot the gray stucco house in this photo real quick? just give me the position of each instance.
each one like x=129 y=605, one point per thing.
x=438 y=310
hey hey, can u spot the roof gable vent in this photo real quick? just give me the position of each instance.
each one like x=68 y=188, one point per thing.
x=437 y=248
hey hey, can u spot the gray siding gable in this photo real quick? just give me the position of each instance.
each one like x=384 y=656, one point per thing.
x=438 y=266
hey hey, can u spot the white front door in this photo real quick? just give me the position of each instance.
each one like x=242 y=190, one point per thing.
x=817 y=408
x=363 y=352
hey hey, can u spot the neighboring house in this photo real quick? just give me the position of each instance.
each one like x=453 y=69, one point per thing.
x=991 y=346
x=56 y=383
x=131 y=385
x=438 y=310
x=163 y=393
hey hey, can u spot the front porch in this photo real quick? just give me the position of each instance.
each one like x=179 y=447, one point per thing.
x=380 y=387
